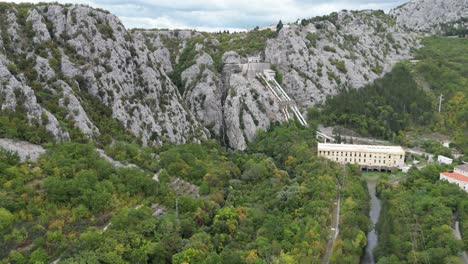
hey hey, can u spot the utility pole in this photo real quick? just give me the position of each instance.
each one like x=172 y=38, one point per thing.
x=440 y=102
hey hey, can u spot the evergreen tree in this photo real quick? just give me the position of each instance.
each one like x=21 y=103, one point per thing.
x=279 y=26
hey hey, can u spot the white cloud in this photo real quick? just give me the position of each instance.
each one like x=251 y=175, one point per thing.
x=169 y=23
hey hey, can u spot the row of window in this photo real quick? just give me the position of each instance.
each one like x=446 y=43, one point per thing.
x=354 y=154
x=365 y=160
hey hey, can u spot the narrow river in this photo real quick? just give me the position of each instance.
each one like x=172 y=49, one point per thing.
x=374 y=215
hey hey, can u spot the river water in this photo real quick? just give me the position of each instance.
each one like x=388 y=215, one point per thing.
x=374 y=216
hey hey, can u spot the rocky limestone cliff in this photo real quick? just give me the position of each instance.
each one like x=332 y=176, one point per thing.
x=76 y=50
x=343 y=50
x=432 y=16
x=24 y=150
x=57 y=62
x=317 y=58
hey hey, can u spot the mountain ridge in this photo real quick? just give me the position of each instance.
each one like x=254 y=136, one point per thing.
x=83 y=57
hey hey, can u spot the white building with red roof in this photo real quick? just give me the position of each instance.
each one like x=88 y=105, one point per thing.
x=459 y=176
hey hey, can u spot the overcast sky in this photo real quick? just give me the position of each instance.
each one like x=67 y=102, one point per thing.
x=214 y=15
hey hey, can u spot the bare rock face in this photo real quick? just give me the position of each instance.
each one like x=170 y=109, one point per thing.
x=202 y=93
x=183 y=86
x=79 y=50
x=432 y=16
x=25 y=150
x=76 y=111
x=348 y=49
x=249 y=107
x=114 y=162
x=16 y=94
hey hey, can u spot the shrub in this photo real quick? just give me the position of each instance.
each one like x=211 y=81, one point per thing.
x=329 y=49
x=106 y=31
x=312 y=38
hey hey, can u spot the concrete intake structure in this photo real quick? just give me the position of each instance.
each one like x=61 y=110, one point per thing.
x=367 y=156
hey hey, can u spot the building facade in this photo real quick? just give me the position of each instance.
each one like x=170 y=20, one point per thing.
x=444 y=160
x=459 y=176
x=462 y=169
x=367 y=156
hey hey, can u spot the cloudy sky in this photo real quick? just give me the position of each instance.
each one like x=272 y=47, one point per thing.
x=214 y=15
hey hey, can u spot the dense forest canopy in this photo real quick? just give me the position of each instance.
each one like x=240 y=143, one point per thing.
x=270 y=204
x=383 y=108
x=416 y=218
x=203 y=203
x=406 y=99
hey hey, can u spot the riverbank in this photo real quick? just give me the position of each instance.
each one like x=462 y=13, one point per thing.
x=372 y=179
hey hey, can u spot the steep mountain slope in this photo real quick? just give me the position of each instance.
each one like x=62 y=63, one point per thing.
x=317 y=58
x=58 y=55
x=433 y=16
x=345 y=49
x=64 y=67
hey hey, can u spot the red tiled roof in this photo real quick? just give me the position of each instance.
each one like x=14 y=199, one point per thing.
x=455 y=176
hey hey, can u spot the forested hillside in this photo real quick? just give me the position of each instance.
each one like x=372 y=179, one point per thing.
x=443 y=66
x=271 y=204
x=406 y=99
x=389 y=105
x=157 y=148
x=416 y=218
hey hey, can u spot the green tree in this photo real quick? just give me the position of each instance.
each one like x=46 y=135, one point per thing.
x=279 y=26
x=6 y=219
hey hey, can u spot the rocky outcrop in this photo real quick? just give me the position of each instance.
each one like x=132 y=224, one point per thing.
x=344 y=50
x=317 y=59
x=25 y=150
x=114 y=162
x=432 y=16
x=83 y=50
x=183 y=86
x=15 y=94
x=184 y=188
x=249 y=107
x=202 y=92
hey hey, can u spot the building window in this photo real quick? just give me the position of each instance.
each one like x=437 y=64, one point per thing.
x=336 y=159
x=364 y=160
x=346 y=159
x=401 y=156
